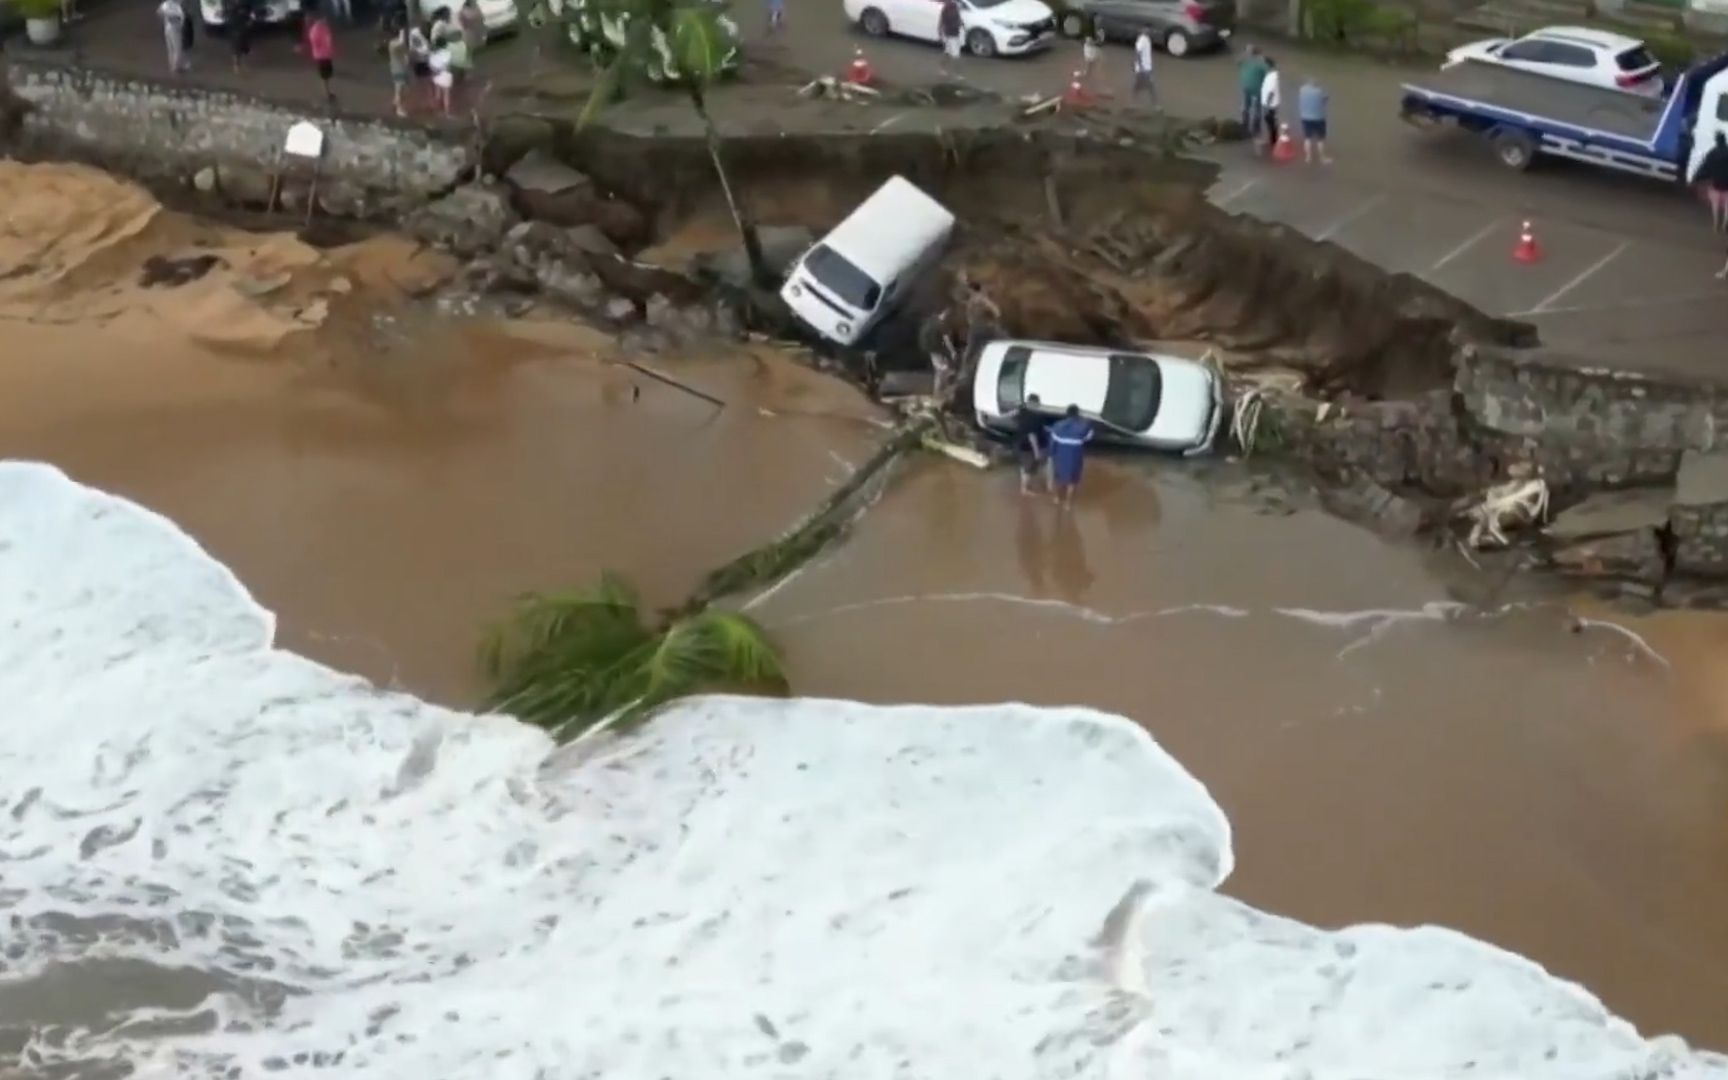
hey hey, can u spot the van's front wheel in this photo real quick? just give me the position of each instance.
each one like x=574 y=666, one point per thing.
x=980 y=43
x=873 y=22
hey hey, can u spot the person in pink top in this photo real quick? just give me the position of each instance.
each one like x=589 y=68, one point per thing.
x=321 y=45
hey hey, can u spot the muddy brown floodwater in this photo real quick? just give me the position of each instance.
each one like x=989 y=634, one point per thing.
x=385 y=484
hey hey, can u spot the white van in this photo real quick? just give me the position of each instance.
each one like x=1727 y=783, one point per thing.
x=858 y=272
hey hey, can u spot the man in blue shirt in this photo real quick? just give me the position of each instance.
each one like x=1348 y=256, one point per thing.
x=1068 y=438
x=1311 y=103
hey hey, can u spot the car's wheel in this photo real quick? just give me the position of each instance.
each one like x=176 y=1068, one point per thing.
x=1177 y=44
x=873 y=22
x=1074 y=25
x=980 y=43
x=1514 y=148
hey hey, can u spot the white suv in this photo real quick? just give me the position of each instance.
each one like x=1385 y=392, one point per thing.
x=1575 y=54
x=992 y=27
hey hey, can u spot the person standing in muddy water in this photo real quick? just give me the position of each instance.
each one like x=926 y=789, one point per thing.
x=1031 y=431
x=1068 y=439
x=936 y=338
x=983 y=319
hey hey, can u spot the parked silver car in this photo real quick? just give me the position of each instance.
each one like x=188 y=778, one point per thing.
x=1179 y=27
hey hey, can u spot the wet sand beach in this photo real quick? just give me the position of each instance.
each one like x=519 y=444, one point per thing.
x=1383 y=753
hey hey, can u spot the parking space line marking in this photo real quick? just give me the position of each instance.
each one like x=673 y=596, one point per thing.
x=1332 y=230
x=1475 y=238
x=1581 y=278
x=884 y=125
x=1627 y=305
x=1236 y=193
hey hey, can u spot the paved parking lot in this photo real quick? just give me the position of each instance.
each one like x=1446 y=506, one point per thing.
x=1612 y=293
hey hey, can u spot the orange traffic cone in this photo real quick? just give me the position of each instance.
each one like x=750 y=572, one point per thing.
x=1284 y=149
x=1525 y=250
x=1077 y=95
x=858 y=72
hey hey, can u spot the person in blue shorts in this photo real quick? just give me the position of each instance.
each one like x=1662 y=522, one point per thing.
x=1068 y=438
x=1311 y=110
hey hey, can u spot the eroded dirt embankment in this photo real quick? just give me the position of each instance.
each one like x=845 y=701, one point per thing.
x=1088 y=241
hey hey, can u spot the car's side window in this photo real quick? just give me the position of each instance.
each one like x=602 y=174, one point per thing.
x=1528 y=51
x=1571 y=55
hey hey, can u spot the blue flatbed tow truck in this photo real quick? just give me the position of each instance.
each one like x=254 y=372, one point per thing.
x=1524 y=115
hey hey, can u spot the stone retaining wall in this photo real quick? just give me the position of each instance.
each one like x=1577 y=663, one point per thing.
x=160 y=131
x=1583 y=429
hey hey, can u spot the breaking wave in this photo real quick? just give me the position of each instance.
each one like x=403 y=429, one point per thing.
x=221 y=859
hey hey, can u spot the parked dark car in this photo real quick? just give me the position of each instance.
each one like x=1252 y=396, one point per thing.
x=1179 y=27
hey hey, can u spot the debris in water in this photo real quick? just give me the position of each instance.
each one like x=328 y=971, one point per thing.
x=162 y=270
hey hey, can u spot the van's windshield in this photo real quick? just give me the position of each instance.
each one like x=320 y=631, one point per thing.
x=834 y=272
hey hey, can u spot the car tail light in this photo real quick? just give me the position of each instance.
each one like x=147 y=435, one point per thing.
x=1194 y=11
x=1631 y=78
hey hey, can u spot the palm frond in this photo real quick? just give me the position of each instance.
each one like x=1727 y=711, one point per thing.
x=699 y=48
x=709 y=651
x=625 y=67
x=550 y=657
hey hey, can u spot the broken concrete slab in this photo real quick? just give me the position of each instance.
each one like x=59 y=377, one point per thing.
x=1635 y=556
x=1608 y=512
x=1703 y=479
x=903 y=384
x=1368 y=503
x=540 y=172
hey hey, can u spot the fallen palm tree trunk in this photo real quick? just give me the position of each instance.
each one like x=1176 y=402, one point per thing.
x=774 y=560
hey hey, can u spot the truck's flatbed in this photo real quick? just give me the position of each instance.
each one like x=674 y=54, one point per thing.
x=1628 y=116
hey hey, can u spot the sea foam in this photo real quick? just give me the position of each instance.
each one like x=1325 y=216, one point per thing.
x=303 y=875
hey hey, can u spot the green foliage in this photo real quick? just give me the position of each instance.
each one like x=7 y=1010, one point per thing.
x=1672 y=50
x=1358 y=22
x=37 y=9
x=653 y=41
x=568 y=660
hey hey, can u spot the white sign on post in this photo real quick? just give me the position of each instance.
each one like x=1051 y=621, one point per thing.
x=305 y=140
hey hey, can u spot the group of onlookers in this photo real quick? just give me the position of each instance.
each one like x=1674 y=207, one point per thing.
x=433 y=62
x=1262 y=88
x=430 y=60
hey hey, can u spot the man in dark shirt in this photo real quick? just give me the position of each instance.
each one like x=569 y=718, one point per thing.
x=936 y=338
x=1029 y=437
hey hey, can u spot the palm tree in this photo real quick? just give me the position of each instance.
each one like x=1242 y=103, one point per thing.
x=568 y=661
x=685 y=37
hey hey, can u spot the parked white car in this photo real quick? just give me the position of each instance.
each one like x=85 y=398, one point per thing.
x=993 y=27
x=501 y=15
x=1143 y=399
x=1575 y=54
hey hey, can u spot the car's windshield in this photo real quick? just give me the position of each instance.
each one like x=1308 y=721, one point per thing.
x=982 y=4
x=835 y=273
x=1635 y=59
x=1011 y=381
x=1135 y=388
